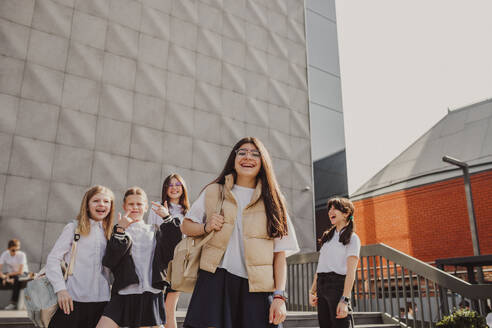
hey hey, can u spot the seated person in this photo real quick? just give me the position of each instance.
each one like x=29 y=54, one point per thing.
x=14 y=263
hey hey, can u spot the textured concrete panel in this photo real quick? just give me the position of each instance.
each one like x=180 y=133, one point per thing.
x=76 y=129
x=119 y=71
x=3 y=179
x=11 y=77
x=64 y=202
x=146 y=144
x=113 y=136
x=256 y=85
x=279 y=118
x=155 y=23
x=151 y=80
x=207 y=156
x=85 y=61
x=5 y=148
x=125 y=12
x=80 y=94
x=52 y=17
x=19 y=11
x=153 y=51
x=149 y=111
x=177 y=150
x=209 y=17
x=48 y=50
x=209 y=69
x=179 y=119
x=72 y=165
x=161 y=5
x=13 y=39
x=231 y=130
x=110 y=170
x=234 y=104
x=209 y=43
x=208 y=97
x=89 y=30
x=52 y=231
x=180 y=89
x=8 y=111
x=184 y=33
x=34 y=200
x=145 y=175
x=203 y=122
x=122 y=41
x=37 y=120
x=234 y=27
x=98 y=8
x=116 y=103
x=257 y=36
x=31 y=158
x=181 y=60
x=42 y=84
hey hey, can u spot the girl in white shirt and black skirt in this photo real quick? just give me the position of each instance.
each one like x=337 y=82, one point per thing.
x=171 y=209
x=84 y=295
x=335 y=275
x=135 y=254
x=245 y=261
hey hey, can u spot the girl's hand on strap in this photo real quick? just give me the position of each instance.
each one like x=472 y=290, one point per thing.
x=65 y=301
x=342 y=310
x=161 y=210
x=214 y=222
x=125 y=221
x=278 y=311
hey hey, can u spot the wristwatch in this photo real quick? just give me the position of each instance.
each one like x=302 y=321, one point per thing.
x=282 y=294
x=345 y=300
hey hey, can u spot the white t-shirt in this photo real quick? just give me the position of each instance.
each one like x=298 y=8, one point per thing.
x=12 y=263
x=233 y=260
x=174 y=211
x=333 y=254
x=143 y=246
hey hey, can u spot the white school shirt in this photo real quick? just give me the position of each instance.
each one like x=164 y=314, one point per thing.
x=233 y=260
x=12 y=263
x=90 y=279
x=143 y=246
x=174 y=211
x=333 y=254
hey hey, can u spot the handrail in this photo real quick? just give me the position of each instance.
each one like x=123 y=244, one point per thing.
x=388 y=280
x=427 y=271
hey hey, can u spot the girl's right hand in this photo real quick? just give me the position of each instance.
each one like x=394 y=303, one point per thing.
x=313 y=300
x=125 y=221
x=65 y=301
x=214 y=222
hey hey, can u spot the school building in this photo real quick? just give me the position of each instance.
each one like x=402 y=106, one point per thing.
x=417 y=203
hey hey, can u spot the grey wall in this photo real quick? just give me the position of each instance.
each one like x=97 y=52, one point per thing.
x=124 y=92
x=325 y=94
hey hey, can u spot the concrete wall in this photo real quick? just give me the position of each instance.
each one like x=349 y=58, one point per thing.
x=123 y=92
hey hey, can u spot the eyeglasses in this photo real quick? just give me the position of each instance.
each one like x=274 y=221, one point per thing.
x=177 y=184
x=242 y=152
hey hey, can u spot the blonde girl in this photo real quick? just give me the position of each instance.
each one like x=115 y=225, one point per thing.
x=135 y=255
x=83 y=296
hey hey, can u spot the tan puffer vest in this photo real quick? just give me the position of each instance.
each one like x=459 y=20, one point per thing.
x=258 y=246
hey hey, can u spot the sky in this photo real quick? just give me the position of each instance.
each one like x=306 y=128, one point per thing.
x=403 y=63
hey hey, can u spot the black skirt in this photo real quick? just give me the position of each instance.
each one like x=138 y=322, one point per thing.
x=223 y=300
x=84 y=315
x=329 y=289
x=136 y=310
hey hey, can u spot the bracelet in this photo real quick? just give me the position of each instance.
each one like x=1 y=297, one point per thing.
x=204 y=227
x=283 y=298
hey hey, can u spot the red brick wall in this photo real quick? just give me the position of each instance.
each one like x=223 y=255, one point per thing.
x=430 y=221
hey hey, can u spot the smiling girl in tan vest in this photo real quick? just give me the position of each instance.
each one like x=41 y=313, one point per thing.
x=245 y=261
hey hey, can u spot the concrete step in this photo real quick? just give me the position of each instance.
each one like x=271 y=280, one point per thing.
x=19 y=319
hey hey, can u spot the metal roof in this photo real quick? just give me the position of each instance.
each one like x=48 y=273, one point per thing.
x=465 y=134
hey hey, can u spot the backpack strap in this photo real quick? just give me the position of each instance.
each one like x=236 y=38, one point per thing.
x=73 y=252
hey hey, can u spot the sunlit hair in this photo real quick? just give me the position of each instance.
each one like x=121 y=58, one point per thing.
x=274 y=200
x=135 y=191
x=347 y=207
x=83 y=217
x=14 y=243
x=183 y=199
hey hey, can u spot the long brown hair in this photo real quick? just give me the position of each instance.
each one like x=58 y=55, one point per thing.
x=274 y=200
x=83 y=217
x=183 y=199
x=347 y=207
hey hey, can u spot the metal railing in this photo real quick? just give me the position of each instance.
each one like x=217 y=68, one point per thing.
x=387 y=280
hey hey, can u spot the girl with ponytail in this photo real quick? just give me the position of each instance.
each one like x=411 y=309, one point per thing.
x=338 y=259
